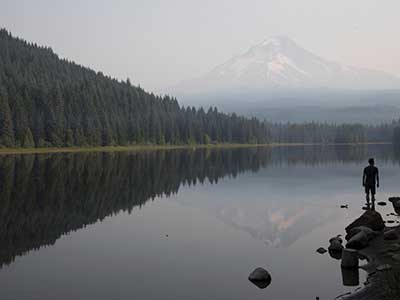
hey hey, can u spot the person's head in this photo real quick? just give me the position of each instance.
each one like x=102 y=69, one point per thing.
x=371 y=161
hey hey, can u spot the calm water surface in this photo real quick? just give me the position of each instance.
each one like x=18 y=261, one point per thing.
x=181 y=224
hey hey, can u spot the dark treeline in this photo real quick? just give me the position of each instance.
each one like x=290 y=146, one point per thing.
x=324 y=133
x=46 y=101
x=43 y=197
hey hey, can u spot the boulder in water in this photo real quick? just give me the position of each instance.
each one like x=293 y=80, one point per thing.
x=321 y=250
x=260 y=277
x=335 y=244
x=370 y=219
x=396 y=204
x=335 y=254
x=358 y=241
x=395 y=201
x=368 y=231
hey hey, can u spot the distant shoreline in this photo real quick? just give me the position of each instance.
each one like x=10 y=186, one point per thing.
x=138 y=148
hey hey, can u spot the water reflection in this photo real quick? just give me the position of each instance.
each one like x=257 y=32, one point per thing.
x=45 y=196
x=351 y=277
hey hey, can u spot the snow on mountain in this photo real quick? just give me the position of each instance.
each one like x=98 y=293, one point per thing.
x=279 y=63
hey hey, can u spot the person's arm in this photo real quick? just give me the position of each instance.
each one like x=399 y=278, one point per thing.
x=377 y=177
x=363 y=178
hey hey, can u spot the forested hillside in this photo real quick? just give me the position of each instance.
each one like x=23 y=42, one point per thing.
x=46 y=101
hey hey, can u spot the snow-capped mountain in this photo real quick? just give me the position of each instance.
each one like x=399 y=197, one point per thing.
x=279 y=63
x=281 y=81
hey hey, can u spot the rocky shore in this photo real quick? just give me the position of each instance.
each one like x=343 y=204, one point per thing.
x=380 y=246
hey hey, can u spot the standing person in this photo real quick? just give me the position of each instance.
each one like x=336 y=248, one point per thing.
x=370 y=181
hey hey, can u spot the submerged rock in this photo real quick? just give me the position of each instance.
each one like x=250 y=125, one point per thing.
x=321 y=250
x=381 y=203
x=370 y=219
x=260 y=277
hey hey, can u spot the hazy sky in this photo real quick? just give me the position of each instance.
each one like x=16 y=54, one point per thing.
x=159 y=42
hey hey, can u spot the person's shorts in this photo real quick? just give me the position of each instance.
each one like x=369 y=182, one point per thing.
x=370 y=188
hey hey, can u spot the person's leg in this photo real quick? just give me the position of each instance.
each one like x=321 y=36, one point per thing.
x=373 y=197
x=367 y=194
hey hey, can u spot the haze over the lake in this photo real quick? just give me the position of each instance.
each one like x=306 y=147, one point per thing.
x=159 y=43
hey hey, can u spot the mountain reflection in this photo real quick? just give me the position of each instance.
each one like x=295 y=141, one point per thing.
x=43 y=197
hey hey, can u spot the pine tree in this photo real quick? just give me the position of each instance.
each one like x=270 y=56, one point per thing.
x=6 y=125
x=27 y=140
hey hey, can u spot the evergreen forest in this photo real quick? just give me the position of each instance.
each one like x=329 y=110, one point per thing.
x=46 y=101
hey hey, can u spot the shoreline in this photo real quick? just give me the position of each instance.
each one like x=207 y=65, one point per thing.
x=138 y=148
x=379 y=284
x=382 y=254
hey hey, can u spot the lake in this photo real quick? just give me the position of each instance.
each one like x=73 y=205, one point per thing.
x=182 y=224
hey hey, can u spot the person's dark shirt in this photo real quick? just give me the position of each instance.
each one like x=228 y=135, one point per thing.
x=370 y=176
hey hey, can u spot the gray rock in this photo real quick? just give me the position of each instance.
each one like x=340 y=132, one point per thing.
x=368 y=231
x=336 y=239
x=260 y=277
x=396 y=204
x=370 y=219
x=395 y=201
x=336 y=254
x=390 y=235
x=335 y=244
x=321 y=250
x=358 y=241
